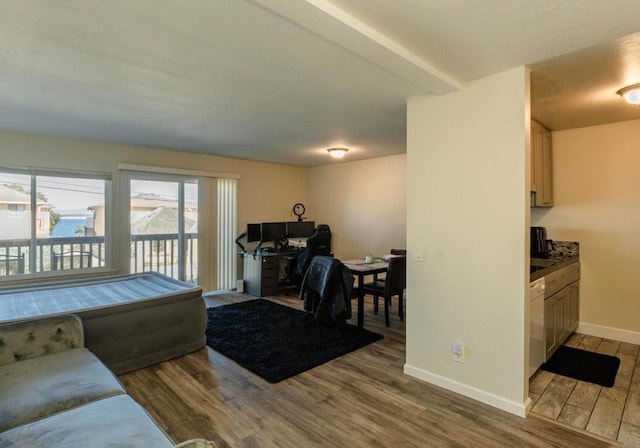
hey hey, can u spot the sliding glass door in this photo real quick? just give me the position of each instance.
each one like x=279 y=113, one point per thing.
x=162 y=214
x=163 y=225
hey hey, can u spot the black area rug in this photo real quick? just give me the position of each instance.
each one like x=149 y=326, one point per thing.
x=277 y=342
x=583 y=366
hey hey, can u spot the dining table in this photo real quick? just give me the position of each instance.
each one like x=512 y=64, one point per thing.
x=359 y=268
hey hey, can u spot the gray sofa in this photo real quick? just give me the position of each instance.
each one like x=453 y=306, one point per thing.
x=56 y=393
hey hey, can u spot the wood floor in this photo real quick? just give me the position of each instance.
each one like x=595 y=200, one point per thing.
x=610 y=412
x=361 y=399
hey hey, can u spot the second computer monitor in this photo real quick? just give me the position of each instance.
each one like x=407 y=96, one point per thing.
x=274 y=231
x=300 y=229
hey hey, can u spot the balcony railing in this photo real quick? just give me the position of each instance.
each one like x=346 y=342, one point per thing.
x=160 y=253
x=156 y=252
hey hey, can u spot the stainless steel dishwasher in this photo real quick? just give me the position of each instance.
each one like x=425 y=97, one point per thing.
x=536 y=324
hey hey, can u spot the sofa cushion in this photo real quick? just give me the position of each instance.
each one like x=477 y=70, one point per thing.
x=37 y=337
x=111 y=422
x=37 y=387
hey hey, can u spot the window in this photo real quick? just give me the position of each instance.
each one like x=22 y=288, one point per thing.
x=52 y=221
x=16 y=207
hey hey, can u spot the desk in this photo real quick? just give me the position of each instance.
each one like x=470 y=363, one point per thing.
x=262 y=272
x=360 y=269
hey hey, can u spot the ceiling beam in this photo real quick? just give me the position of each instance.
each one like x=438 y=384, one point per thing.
x=332 y=24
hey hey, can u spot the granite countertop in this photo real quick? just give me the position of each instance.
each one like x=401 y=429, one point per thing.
x=561 y=254
x=545 y=266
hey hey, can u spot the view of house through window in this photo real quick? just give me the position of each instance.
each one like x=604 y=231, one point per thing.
x=164 y=227
x=51 y=223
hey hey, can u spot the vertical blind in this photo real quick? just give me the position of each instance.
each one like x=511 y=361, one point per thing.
x=227 y=214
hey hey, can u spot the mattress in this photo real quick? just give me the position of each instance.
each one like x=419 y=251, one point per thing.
x=129 y=321
x=87 y=295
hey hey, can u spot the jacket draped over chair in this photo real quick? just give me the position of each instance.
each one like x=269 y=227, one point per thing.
x=326 y=290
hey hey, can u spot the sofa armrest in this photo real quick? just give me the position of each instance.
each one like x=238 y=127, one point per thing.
x=197 y=443
x=36 y=337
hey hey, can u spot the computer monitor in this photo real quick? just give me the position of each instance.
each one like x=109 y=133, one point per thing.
x=274 y=231
x=300 y=229
x=254 y=233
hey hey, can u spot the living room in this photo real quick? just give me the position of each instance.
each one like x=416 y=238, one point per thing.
x=466 y=204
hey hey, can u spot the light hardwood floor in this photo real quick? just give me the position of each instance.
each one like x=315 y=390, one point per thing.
x=610 y=412
x=361 y=399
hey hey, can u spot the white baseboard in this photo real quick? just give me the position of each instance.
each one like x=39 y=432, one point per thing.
x=513 y=407
x=632 y=337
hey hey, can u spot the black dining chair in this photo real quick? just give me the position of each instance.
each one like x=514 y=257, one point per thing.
x=376 y=279
x=394 y=285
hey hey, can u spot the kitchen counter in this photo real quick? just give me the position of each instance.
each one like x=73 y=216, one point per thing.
x=541 y=267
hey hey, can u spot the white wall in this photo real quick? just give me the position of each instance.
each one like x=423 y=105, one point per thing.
x=467 y=202
x=364 y=202
x=597 y=203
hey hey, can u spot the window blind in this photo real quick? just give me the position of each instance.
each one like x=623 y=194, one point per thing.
x=227 y=216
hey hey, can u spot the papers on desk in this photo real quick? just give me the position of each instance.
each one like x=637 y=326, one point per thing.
x=299 y=243
x=389 y=257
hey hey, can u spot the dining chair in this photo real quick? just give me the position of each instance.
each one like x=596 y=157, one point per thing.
x=376 y=278
x=394 y=285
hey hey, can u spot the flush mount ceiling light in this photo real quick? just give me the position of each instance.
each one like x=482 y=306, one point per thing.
x=337 y=153
x=631 y=94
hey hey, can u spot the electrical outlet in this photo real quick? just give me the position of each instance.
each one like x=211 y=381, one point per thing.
x=457 y=352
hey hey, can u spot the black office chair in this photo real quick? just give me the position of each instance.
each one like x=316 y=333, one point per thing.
x=317 y=244
x=394 y=285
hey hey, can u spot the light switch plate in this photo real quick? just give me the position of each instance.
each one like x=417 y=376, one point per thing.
x=457 y=352
x=418 y=253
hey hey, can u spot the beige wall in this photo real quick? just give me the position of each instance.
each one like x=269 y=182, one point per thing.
x=266 y=192
x=467 y=202
x=366 y=212
x=364 y=202
x=596 y=175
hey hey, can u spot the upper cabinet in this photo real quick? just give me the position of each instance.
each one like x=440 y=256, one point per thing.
x=541 y=186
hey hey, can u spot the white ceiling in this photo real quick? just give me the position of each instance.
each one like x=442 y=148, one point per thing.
x=578 y=89
x=282 y=80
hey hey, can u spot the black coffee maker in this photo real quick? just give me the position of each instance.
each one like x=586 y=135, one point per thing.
x=539 y=243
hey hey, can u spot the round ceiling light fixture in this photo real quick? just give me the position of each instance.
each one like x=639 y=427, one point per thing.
x=337 y=153
x=631 y=94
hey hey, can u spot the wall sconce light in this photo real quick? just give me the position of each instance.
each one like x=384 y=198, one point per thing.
x=631 y=94
x=337 y=153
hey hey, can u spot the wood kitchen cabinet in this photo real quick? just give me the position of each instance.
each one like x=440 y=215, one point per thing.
x=541 y=183
x=572 y=307
x=554 y=323
x=561 y=307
